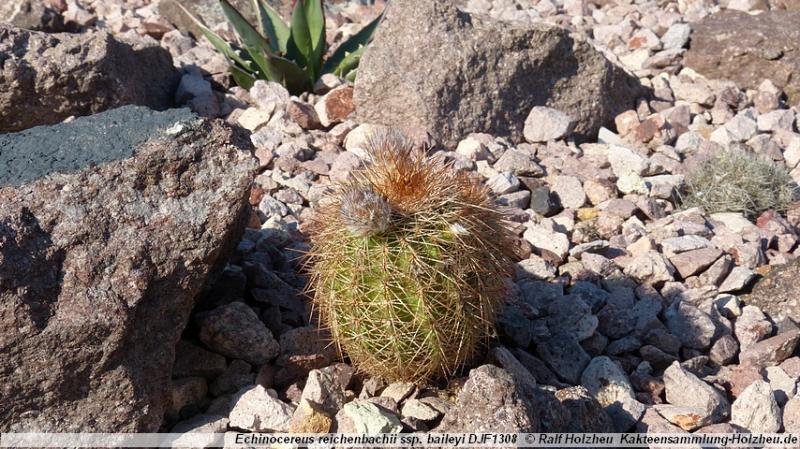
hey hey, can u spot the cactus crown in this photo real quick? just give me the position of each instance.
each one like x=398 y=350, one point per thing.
x=408 y=263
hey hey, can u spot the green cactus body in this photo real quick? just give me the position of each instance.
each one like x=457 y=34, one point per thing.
x=415 y=300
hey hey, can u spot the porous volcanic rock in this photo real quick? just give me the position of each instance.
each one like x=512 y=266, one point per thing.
x=435 y=67
x=100 y=263
x=748 y=49
x=49 y=77
x=778 y=294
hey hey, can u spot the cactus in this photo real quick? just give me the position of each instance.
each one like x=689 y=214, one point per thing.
x=409 y=262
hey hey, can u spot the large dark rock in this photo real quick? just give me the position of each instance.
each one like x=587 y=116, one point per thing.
x=49 y=77
x=436 y=67
x=101 y=257
x=778 y=294
x=749 y=49
x=31 y=14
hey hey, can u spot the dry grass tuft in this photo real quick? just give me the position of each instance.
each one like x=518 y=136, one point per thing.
x=739 y=181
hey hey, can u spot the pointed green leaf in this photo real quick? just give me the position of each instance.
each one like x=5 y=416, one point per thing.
x=219 y=43
x=242 y=78
x=315 y=17
x=255 y=44
x=292 y=75
x=356 y=42
x=349 y=63
x=300 y=48
x=272 y=26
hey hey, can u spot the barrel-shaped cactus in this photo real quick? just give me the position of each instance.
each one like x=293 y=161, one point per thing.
x=409 y=263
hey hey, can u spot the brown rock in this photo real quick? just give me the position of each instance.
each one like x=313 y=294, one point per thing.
x=772 y=351
x=482 y=75
x=778 y=294
x=49 y=77
x=749 y=49
x=100 y=264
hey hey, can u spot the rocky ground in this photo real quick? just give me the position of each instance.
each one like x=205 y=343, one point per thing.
x=628 y=313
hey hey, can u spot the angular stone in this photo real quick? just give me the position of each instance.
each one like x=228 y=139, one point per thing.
x=751 y=327
x=502 y=71
x=310 y=418
x=693 y=262
x=685 y=389
x=34 y=15
x=564 y=356
x=570 y=192
x=544 y=124
x=772 y=351
x=586 y=413
x=323 y=389
x=606 y=381
x=738 y=279
x=370 y=419
x=259 y=410
x=235 y=330
x=650 y=268
x=49 y=77
x=687 y=418
x=137 y=210
x=693 y=326
x=492 y=401
x=756 y=410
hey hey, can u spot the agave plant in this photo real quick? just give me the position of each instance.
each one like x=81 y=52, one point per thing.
x=292 y=54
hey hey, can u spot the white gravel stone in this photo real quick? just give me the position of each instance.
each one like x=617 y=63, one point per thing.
x=756 y=410
x=685 y=389
x=545 y=239
x=502 y=183
x=677 y=36
x=569 y=191
x=545 y=124
x=738 y=279
x=625 y=161
x=259 y=410
x=473 y=149
x=775 y=120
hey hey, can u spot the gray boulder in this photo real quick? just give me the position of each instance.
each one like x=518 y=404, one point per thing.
x=748 y=49
x=31 y=14
x=435 y=67
x=106 y=237
x=49 y=77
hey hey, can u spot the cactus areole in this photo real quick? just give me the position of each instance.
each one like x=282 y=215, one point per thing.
x=409 y=263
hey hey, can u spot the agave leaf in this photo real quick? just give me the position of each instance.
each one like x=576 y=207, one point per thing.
x=352 y=45
x=315 y=17
x=349 y=63
x=272 y=26
x=294 y=77
x=219 y=43
x=300 y=47
x=243 y=78
x=255 y=44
